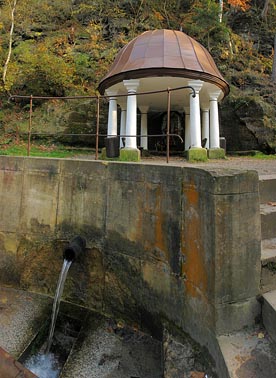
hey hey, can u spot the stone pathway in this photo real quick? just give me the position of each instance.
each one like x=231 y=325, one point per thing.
x=263 y=167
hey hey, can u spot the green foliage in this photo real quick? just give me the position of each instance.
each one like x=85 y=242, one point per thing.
x=65 y=47
x=202 y=22
x=36 y=74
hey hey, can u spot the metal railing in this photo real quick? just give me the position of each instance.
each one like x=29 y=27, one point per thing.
x=98 y=98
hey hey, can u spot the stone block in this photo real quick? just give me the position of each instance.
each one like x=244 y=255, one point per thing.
x=122 y=286
x=11 y=182
x=235 y=316
x=125 y=172
x=197 y=154
x=228 y=181
x=267 y=186
x=268 y=220
x=129 y=154
x=82 y=199
x=269 y=313
x=124 y=213
x=216 y=153
x=39 y=196
x=162 y=293
x=126 y=154
x=237 y=247
x=10 y=267
x=163 y=174
x=268 y=277
x=145 y=215
x=12 y=163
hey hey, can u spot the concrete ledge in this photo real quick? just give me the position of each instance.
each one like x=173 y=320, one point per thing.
x=216 y=153
x=248 y=353
x=197 y=154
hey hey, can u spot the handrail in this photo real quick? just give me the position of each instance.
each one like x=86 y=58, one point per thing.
x=98 y=98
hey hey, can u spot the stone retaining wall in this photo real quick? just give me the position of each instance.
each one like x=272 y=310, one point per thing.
x=166 y=243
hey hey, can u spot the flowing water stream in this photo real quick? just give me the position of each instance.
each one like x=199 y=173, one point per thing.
x=45 y=364
x=62 y=277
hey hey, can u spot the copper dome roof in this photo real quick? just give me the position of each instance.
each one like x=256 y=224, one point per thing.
x=163 y=53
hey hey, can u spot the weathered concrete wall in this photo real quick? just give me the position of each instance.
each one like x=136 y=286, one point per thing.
x=181 y=244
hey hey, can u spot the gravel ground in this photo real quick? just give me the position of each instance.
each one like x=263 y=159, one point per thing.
x=263 y=167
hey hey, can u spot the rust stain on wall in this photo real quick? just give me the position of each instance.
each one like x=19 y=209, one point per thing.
x=8 y=178
x=194 y=268
x=160 y=241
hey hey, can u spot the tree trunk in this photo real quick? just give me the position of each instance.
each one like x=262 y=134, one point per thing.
x=220 y=10
x=5 y=68
x=273 y=76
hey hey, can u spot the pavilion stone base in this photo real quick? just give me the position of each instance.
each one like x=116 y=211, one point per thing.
x=130 y=154
x=216 y=153
x=197 y=154
x=126 y=154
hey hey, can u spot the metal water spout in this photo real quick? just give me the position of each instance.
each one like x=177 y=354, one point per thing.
x=76 y=247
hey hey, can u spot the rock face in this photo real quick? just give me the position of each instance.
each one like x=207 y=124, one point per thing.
x=249 y=123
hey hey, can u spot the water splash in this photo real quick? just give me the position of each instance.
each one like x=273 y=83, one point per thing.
x=62 y=277
x=44 y=365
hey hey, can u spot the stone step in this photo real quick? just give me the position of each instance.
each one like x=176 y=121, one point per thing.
x=268 y=258
x=267 y=188
x=249 y=353
x=268 y=220
x=269 y=313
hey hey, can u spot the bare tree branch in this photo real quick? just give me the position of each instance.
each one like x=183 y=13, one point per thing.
x=220 y=10
x=5 y=68
x=265 y=10
x=273 y=76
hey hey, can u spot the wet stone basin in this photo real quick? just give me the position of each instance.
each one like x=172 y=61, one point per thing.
x=106 y=349
x=101 y=347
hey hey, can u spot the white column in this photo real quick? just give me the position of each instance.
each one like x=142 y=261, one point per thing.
x=205 y=126
x=144 y=126
x=214 y=119
x=187 y=129
x=122 y=122
x=112 y=113
x=195 y=114
x=131 y=116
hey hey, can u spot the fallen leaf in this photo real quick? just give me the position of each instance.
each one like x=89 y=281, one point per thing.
x=261 y=335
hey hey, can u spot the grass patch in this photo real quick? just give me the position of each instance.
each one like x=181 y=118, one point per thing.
x=42 y=150
x=262 y=156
